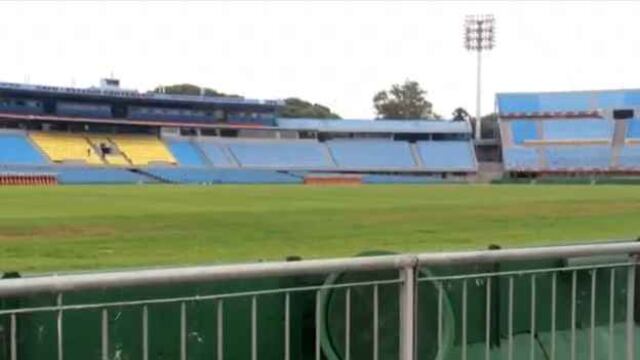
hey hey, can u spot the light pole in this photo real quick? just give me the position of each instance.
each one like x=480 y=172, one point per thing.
x=479 y=36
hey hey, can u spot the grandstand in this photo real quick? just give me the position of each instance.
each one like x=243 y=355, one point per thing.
x=114 y=135
x=570 y=132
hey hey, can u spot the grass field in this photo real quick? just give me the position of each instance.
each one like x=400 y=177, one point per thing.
x=78 y=227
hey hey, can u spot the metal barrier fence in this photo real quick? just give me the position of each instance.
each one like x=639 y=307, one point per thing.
x=571 y=302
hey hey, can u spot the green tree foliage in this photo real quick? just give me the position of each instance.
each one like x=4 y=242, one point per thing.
x=298 y=108
x=460 y=114
x=293 y=107
x=403 y=101
x=190 y=89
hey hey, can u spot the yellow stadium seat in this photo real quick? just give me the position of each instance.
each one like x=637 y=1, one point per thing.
x=143 y=149
x=113 y=158
x=66 y=147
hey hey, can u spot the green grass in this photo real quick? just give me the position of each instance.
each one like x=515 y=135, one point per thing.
x=89 y=227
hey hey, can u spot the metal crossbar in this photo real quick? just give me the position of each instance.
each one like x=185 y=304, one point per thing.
x=462 y=305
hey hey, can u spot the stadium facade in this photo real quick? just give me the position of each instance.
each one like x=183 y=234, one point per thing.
x=111 y=135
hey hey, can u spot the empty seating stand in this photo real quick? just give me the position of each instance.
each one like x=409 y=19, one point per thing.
x=186 y=153
x=372 y=154
x=629 y=158
x=143 y=149
x=216 y=154
x=633 y=129
x=16 y=149
x=521 y=159
x=281 y=154
x=457 y=156
x=114 y=156
x=579 y=157
x=523 y=131
x=578 y=130
x=66 y=147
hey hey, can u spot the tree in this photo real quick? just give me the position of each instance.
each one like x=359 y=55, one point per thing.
x=460 y=114
x=190 y=89
x=298 y=108
x=403 y=101
x=293 y=107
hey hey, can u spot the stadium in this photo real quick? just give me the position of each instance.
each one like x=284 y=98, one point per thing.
x=146 y=225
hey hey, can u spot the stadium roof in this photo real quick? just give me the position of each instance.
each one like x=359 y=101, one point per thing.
x=379 y=126
x=111 y=93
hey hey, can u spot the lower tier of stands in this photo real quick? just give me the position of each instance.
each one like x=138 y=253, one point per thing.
x=447 y=156
x=17 y=149
x=371 y=154
x=572 y=158
x=70 y=174
x=629 y=157
x=521 y=159
x=578 y=157
x=221 y=176
x=115 y=158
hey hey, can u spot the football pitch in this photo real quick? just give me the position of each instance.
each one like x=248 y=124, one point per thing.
x=98 y=227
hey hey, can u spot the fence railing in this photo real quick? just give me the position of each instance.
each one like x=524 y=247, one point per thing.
x=570 y=302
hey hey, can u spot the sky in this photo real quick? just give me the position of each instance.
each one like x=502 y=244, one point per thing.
x=335 y=53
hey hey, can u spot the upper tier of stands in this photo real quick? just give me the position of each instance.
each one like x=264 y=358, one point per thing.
x=553 y=130
x=582 y=129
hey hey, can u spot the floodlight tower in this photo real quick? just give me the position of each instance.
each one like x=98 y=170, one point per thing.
x=479 y=36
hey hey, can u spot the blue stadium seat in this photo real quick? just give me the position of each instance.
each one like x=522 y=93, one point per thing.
x=521 y=158
x=281 y=154
x=371 y=154
x=17 y=149
x=185 y=153
x=83 y=174
x=223 y=176
x=523 y=130
x=592 y=157
x=447 y=155
x=215 y=153
x=97 y=175
x=633 y=129
x=511 y=103
x=629 y=157
x=569 y=101
x=583 y=129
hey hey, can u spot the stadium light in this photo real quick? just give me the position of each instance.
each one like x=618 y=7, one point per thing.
x=479 y=36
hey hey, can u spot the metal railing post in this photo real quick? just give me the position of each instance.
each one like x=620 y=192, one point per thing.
x=630 y=321
x=407 y=309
